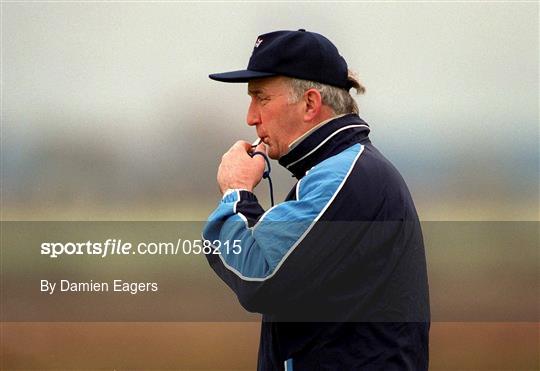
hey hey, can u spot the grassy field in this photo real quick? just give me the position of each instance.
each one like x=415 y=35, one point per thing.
x=233 y=346
x=483 y=287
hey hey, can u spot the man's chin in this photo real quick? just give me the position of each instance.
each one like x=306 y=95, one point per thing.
x=273 y=155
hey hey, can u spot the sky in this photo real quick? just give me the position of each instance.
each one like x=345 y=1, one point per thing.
x=108 y=106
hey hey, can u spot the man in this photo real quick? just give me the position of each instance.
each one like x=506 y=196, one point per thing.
x=338 y=269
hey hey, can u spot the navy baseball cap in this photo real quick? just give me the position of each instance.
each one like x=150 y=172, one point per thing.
x=299 y=54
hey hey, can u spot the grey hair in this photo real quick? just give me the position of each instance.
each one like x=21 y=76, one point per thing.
x=340 y=100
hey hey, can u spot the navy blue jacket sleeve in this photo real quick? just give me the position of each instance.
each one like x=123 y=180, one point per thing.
x=257 y=271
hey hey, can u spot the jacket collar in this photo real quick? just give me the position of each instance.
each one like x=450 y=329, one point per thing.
x=326 y=141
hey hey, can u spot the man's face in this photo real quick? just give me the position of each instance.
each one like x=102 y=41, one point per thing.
x=277 y=121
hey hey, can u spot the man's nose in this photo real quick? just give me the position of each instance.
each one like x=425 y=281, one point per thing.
x=252 y=117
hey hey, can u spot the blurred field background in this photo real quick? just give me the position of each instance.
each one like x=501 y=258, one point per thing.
x=107 y=114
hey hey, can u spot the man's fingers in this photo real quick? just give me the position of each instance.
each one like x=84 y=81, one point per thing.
x=244 y=147
x=242 y=144
x=261 y=148
x=247 y=147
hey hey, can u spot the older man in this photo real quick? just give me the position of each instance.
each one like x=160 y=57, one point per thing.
x=338 y=269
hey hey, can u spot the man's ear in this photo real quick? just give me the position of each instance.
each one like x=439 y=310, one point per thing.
x=313 y=104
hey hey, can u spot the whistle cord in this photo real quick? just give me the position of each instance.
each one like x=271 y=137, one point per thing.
x=266 y=174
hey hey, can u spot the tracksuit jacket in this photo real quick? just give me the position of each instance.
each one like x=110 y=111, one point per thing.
x=338 y=269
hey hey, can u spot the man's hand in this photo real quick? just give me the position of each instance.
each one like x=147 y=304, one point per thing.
x=238 y=169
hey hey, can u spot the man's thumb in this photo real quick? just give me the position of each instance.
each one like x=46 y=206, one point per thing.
x=261 y=148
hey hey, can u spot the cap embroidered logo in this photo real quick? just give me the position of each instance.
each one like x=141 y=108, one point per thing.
x=258 y=42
